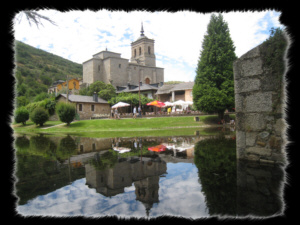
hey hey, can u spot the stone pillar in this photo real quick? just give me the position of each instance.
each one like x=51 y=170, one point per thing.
x=173 y=96
x=259 y=111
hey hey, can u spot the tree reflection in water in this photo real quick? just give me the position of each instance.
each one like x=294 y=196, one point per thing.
x=236 y=188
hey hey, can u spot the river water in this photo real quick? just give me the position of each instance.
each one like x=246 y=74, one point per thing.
x=192 y=177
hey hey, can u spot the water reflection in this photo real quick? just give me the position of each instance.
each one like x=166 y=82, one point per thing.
x=192 y=176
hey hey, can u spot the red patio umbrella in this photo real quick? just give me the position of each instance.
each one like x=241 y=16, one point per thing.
x=156 y=103
x=158 y=148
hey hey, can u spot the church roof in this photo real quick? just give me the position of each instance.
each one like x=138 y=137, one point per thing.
x=82 y=98
x=168 y=88
x=135 y=88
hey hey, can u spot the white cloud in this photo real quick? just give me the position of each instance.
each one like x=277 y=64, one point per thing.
x=178 y=36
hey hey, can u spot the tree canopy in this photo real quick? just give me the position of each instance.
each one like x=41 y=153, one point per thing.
x=213 y=91
x=104 y=91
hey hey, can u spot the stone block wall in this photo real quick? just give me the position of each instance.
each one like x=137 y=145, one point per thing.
x=259 y=97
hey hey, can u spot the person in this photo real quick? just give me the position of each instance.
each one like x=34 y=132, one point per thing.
x=140 y=111
x=169 y=110
x=112 y=113
x=134 y=112
x=116 y=113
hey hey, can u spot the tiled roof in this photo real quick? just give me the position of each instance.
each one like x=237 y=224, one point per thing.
x=83 y=98
x=168 y=88
x=143 y=87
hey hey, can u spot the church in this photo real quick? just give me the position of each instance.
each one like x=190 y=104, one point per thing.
x=110 y=68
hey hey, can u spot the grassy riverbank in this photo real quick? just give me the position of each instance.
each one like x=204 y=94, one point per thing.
x=123 y=127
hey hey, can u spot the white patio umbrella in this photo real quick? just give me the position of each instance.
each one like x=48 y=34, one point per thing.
x=180 y=102
x=168 y=104
x=183 y=104
x=189 y=102
x=120 y=104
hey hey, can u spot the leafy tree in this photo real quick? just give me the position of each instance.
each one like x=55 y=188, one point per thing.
x=50 y=105
x=108 y=92
x=22 y=101
x=40 y=97
x=214 y=86
x=21 y=115
x=96 y=87
x=21 y=89
x=39 y=116
x=46 y=80
x=83 y=91
x=66 y=112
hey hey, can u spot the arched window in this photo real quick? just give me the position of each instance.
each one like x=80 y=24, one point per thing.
x=147 y=81
x=149 y=50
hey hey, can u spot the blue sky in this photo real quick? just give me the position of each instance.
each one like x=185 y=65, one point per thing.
x=178 y=36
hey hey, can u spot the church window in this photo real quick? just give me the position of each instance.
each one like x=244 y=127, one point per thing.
x=147 y=81
x=119 y=65
x=140 y=50
x=149 y=50
x=93 y=108
x=98 y=68
x=80 y=107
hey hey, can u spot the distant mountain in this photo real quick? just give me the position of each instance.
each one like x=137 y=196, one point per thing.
x=36 y=69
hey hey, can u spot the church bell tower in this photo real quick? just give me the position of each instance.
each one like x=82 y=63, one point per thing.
x=143 y=49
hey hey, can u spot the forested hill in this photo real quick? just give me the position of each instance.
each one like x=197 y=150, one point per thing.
x=36 y=69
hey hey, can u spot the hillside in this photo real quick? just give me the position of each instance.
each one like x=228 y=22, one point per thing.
x=36 y=70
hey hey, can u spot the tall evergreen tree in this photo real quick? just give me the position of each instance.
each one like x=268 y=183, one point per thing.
x=213 y=91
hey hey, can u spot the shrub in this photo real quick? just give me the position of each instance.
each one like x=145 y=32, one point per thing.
x=66 y=112
x=39 y=116
x=21 y=115
x=50 y=106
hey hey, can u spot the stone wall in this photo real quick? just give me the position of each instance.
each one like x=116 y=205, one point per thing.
x=259 y=97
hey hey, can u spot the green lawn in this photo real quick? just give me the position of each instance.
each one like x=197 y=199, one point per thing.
x=123 y=127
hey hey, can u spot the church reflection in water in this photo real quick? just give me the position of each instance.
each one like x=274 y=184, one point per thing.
x=231 y=187
x=143 y=173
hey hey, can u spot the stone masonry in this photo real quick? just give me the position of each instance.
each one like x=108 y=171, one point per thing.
x=260 y=126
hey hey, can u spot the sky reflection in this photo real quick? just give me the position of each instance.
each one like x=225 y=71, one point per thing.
x=179 y=195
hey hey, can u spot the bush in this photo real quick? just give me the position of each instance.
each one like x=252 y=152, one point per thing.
x=50 y=106
x=21 y=115
x=39 y=116
x=66 y=112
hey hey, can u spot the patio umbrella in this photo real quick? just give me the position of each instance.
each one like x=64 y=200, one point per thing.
x=122 y=149
x=168 y=104
x=189 y=102
x=158 y=148
x=180 y=102
x=156 y=103
x=120 y=104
